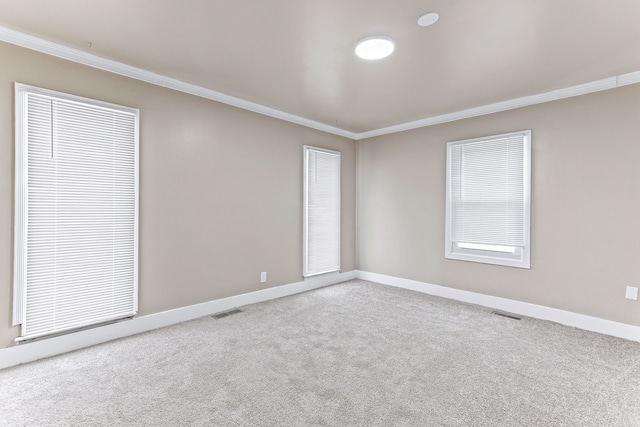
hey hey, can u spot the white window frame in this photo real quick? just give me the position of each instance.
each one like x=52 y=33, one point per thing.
x=511 y=256
x=22 y=204
x=307 y=268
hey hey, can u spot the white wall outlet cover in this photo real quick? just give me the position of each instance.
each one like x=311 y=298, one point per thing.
x=263 y=277
x=631 y=293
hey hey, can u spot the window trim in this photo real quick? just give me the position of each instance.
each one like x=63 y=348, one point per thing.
x=305 y=218
x=509 y=257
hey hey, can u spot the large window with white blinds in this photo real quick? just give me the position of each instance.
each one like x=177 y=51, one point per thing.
x=321 y=246
x=76 y=212
x=489 y=200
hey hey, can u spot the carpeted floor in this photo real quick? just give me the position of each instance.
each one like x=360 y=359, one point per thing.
x=354 y=354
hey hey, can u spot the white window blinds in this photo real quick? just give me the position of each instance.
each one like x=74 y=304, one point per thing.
x=488 y=199
x=76 y=212
x=321 y=220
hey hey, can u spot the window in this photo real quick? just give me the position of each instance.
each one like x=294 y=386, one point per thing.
x=321 y=251
x=76 y=212
x=489 y=199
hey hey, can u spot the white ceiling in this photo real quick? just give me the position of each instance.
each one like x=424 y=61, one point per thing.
x=297 y=56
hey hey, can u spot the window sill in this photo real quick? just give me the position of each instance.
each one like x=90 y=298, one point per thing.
x=489 y=257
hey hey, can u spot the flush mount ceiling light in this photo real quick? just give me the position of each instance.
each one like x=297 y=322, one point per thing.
x=428 y=19
x=374 y=47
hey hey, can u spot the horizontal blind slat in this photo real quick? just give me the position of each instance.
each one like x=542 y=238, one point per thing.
x=81 y=240
x=322 y=211
x=487 y=191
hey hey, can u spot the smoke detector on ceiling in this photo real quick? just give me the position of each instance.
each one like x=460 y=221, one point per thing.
x=428 y=19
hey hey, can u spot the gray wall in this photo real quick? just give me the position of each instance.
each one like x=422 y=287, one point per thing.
x=220 y=187
x=585 y=231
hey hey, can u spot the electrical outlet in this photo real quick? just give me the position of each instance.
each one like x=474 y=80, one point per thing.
x=631 y=293
x=263 y=277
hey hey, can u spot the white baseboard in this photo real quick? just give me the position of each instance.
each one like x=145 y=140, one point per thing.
x=581 y=321
x=30 y=351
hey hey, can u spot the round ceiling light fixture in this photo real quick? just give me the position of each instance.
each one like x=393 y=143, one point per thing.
x=375 y=47
x=428 y=19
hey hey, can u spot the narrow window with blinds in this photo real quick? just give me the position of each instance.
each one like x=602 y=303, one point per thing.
x=488 y=200
x=321 y=246
x=76 y=212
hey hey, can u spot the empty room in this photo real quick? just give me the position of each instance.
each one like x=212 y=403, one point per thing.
x=327 y=213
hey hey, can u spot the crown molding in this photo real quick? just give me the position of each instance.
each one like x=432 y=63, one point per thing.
x=628 y=79
x=583 y=89
x=54 y=49
x=34 y=43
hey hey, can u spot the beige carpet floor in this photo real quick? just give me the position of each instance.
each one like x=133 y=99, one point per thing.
x=354 y=354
